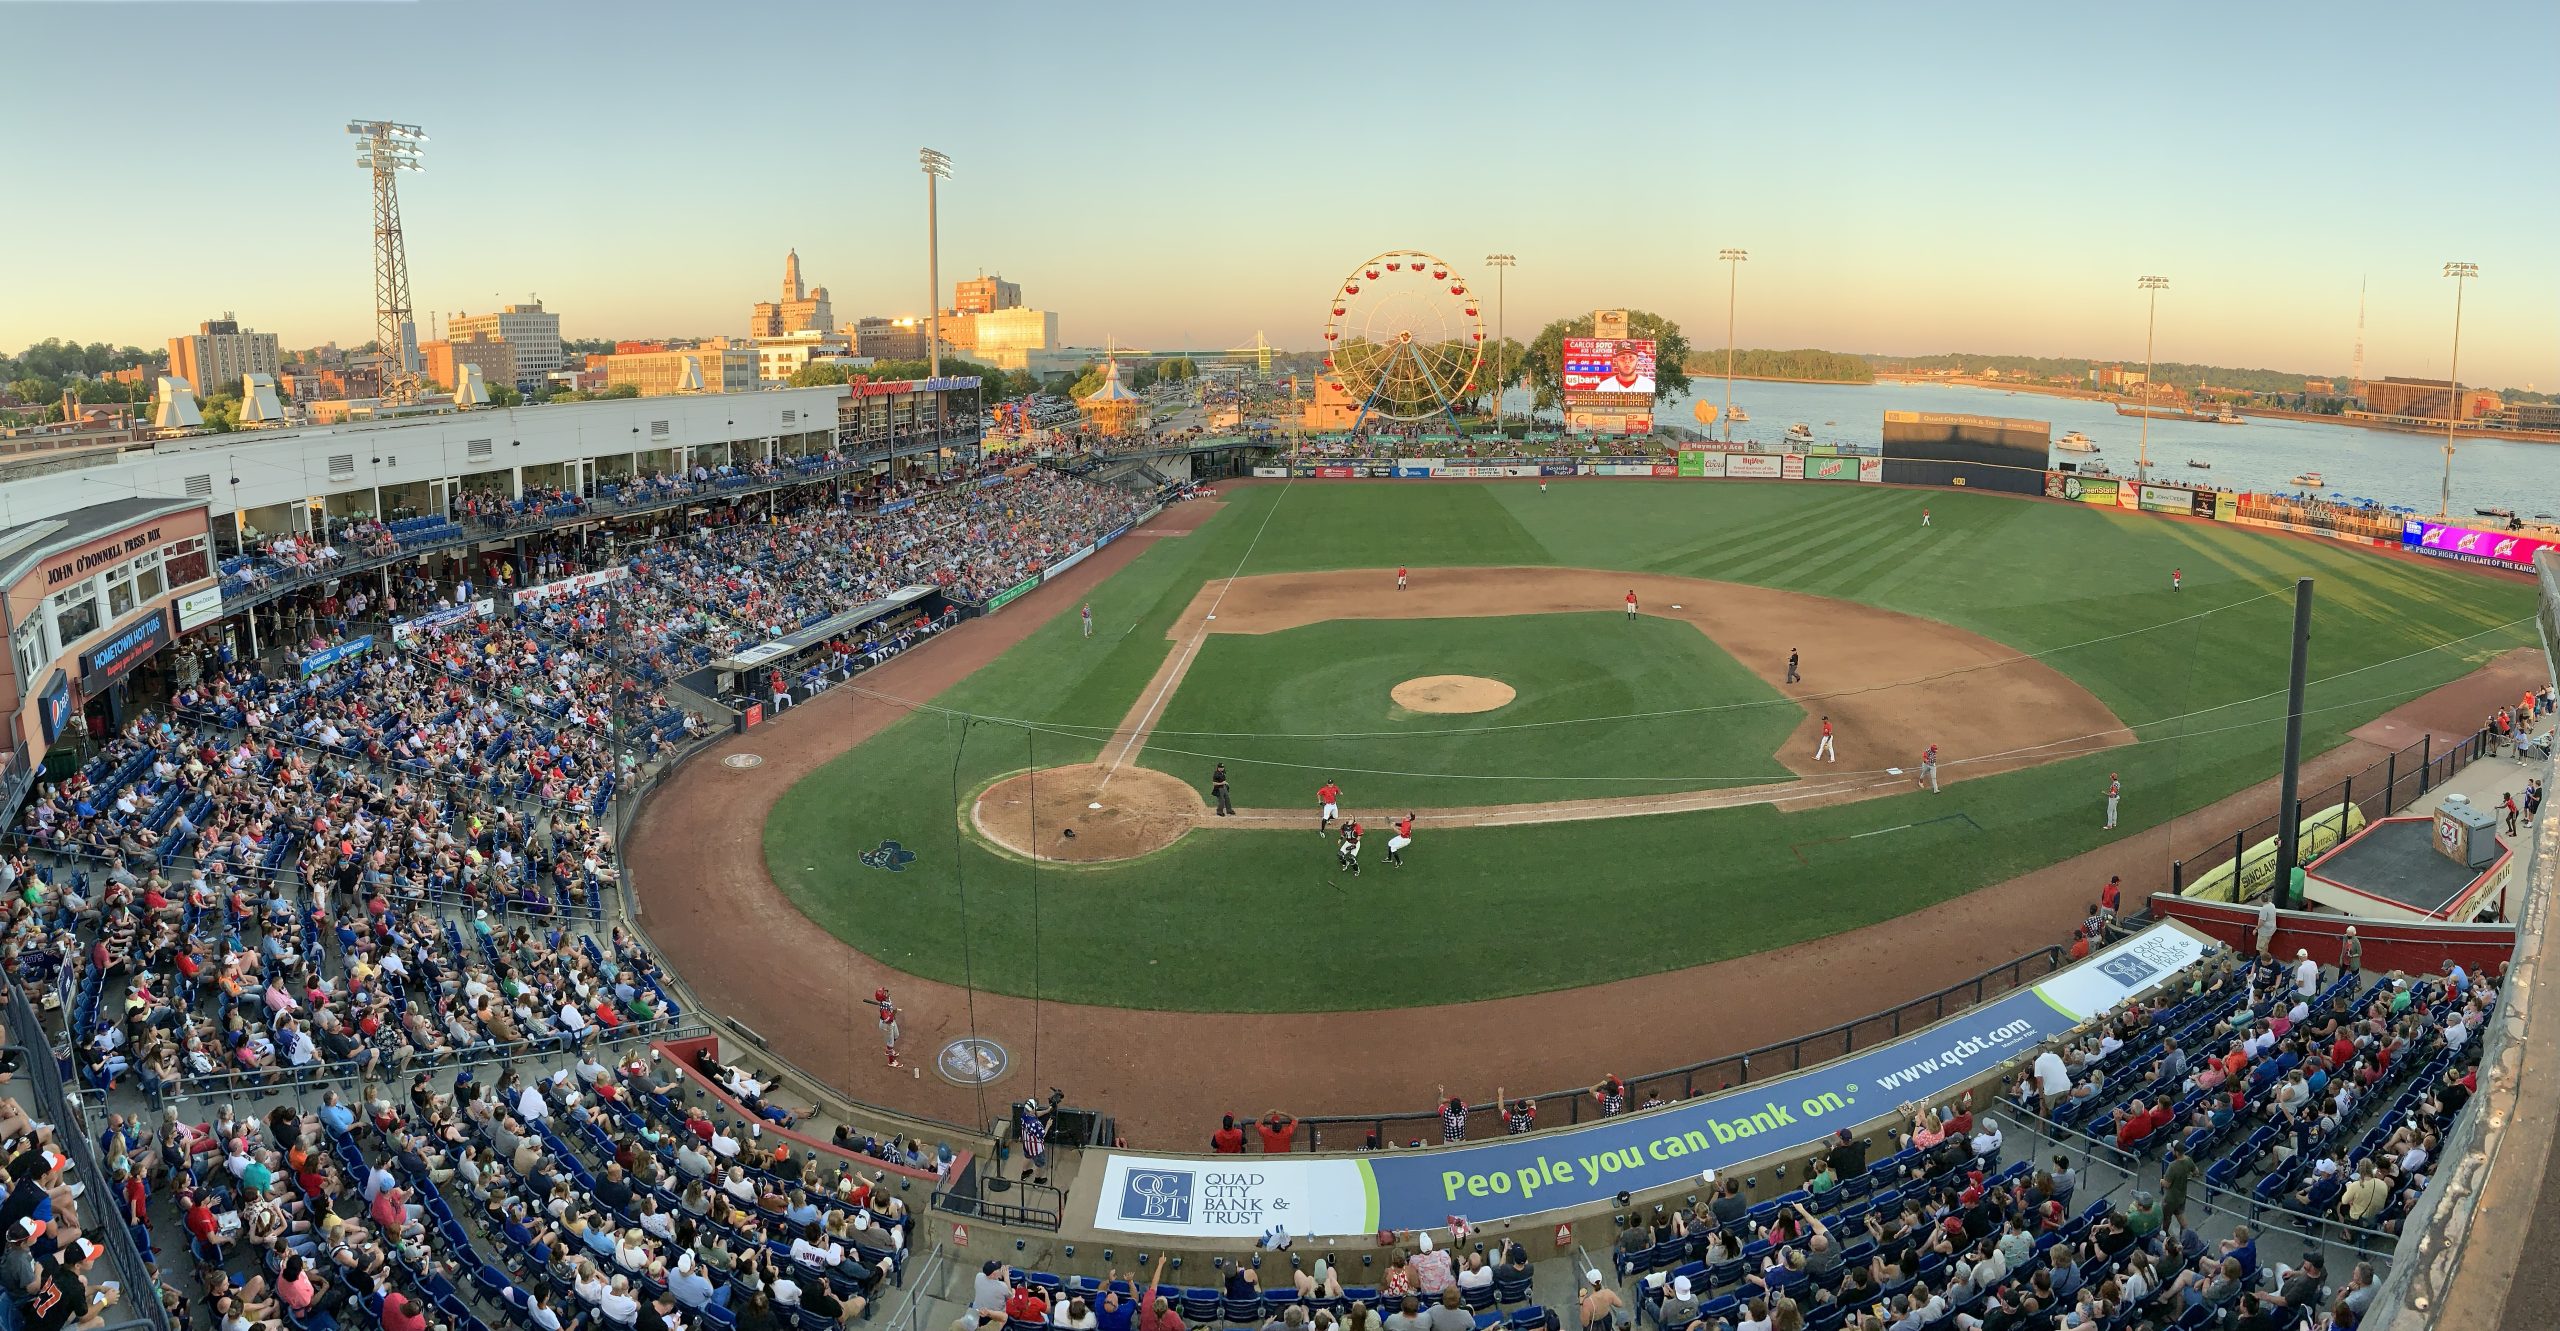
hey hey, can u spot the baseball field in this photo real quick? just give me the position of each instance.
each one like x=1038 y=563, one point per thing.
x=1599 y=798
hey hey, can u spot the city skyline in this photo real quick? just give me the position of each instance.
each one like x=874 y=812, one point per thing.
x=1906 y=186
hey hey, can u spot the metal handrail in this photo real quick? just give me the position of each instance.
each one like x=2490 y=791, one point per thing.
x=141 y=1285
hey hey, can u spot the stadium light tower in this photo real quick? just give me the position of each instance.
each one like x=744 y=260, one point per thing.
x=2142 y=458
x=2460 y=273
x=937 y=168
x=389 y=148
x=1733 y=261
x=1501 y=265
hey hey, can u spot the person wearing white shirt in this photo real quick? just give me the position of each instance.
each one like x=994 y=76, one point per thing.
x=2306 y=973
x=724 y=1145
x=813 y=1255
x=530 y=1106
x=784 y=1291
x=2456 y=1031
x=738 y=1185
x=617 y=1305
x=573 y=1023
x=1986 y=1138
x=2053 y=1079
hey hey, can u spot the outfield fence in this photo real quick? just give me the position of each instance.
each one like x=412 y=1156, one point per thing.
x=1485 y=1121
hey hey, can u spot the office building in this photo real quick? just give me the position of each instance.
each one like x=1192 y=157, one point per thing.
x=799 y=311
x=883 y=338
x=1010 y=333
x=218 y=353
x=779 y=358
x=533 y=331
x=984 y=295
x=2425 y=399
x=719 y=366
x=445 y=359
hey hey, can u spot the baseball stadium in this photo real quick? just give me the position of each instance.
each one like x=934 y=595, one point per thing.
x=846 y=839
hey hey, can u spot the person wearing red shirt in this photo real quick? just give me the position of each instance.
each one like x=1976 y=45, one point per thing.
x=1156 y=1313
x=1228 y=1139
x=1278 y=1131
x=1026 y=1305
x=402 y=1313
x=2111 y=894
x=1328 y=805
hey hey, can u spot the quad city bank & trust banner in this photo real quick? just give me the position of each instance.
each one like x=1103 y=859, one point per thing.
x=1243 y=1196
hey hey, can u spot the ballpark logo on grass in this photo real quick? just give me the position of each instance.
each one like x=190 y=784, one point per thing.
x=890 y=856
x=1157 y=1194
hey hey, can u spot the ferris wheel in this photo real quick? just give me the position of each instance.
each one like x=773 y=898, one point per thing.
x=1405 y=337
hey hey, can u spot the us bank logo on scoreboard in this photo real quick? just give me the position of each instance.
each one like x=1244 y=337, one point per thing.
x=1157 y=1194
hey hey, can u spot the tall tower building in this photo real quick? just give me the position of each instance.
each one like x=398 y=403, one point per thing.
x=800 y=309
x=219 y=354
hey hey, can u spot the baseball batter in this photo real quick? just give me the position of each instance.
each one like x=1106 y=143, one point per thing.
x=1823 y=752
x=1328 y=805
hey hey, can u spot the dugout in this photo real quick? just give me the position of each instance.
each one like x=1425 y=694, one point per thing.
x=1968 y=452
x=743 y=673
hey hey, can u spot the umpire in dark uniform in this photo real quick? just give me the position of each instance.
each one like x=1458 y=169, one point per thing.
x=1218 y=789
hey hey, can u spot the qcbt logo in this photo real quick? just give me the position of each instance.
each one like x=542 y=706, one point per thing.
x=1156 y=1194
x=2129 y=969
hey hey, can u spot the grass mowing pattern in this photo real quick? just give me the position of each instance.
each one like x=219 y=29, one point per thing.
x=1335 y=677
x=1248 y=921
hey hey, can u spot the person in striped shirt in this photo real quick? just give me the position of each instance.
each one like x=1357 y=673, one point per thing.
x=1453 y=1118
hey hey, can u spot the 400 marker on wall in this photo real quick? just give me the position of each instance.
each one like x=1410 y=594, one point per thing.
x=1404 y=338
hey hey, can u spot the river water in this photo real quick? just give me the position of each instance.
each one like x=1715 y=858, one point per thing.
x=2263 y=455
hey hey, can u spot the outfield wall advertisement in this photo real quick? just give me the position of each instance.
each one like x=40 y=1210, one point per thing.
x=1244 y=1197
x=1012 y=594
x=2471 y=546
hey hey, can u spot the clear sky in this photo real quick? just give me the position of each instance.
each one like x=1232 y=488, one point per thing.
x=1907 y=178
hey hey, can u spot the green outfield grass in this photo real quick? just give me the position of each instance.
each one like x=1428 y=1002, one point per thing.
x=1334 y=679
x=1495 y=911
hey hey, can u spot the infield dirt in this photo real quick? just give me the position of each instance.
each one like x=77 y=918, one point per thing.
x=697 y=861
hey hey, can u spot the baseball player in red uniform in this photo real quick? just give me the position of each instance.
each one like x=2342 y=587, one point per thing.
x=1823 y=751
x=888 y=1023
x=1929 y=768
x=1400 y=576
x=1328 y=805
x=2176 y=577
x=1402 y=839
x=1631 y=605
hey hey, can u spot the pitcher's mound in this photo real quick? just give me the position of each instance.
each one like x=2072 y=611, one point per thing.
x=1453 y=693
x=1030 y=813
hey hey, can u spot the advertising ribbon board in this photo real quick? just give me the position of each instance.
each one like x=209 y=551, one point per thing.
x=1761 y=466
x=1056 y=569
x=1011 y=594
x=329 y=656
x=196 y=608
x=1337 y=473
x=53 y=706
x=896 y=505
x=108 y=662
x=2099 y=490
x=541 y=592
x=1112 y=535
x=2168 y=499
x=1693 y=463
x=406 y=632
x=1820 y=468
x=2471 y=546
x=1258 y=471
x=1230 y=1197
